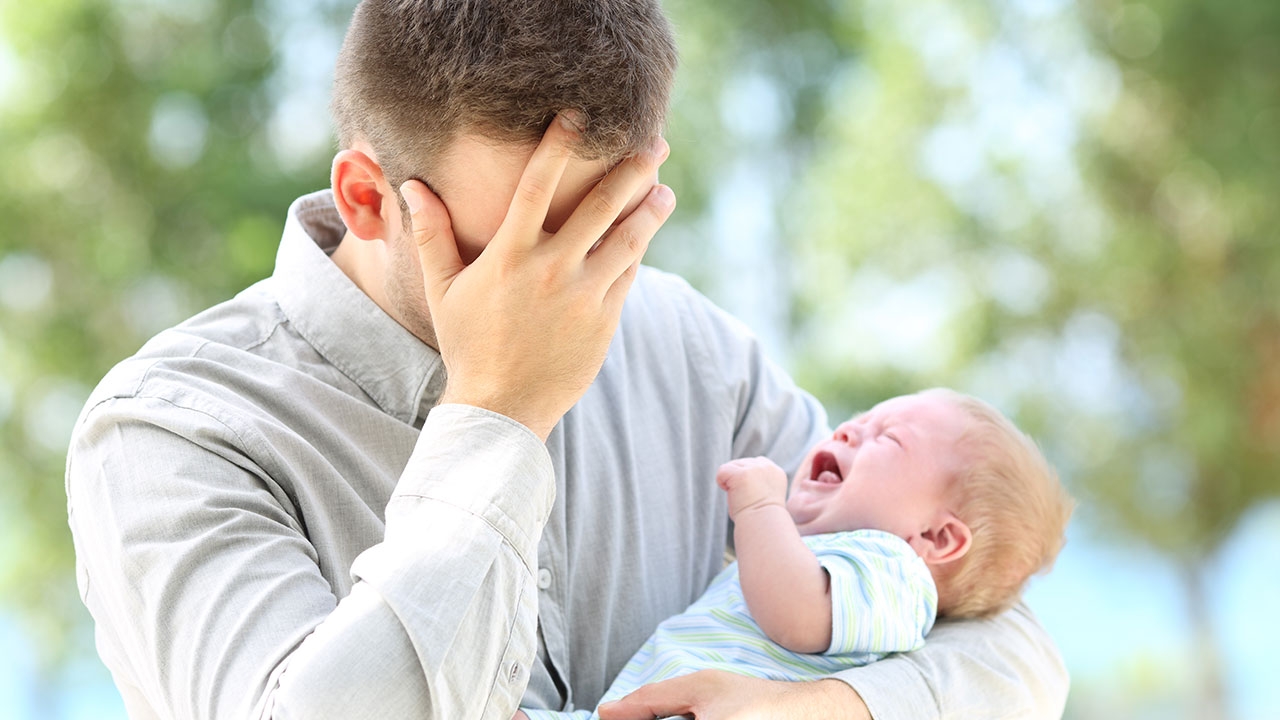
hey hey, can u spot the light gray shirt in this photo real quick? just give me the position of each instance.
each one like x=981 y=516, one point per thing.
x=272 y=517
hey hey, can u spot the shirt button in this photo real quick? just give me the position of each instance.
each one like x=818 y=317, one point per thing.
x=544 y=578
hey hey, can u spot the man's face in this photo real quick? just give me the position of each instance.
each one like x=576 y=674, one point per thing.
x=476 y=179
x=887 y=469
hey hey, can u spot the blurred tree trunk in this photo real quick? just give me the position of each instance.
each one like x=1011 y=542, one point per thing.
x=1212 y=695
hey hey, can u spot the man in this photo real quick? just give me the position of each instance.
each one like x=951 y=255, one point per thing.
x=283 y=508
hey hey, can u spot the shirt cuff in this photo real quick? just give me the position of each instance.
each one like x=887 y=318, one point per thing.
x=485 y=464
x=892 y=690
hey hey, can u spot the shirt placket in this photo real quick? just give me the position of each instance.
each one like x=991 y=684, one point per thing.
x=550 y=581
x=551 y=576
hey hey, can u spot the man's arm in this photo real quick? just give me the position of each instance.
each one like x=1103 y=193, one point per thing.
x=193 y=564
x=446 y=605
x=1002 y=667
x=720 y=695
x=522 y=332
x=210 y=603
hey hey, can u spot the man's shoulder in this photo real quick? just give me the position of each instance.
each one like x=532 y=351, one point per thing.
x=666 y=304
x=664 y=298
x=654 y=286
x=227 y=337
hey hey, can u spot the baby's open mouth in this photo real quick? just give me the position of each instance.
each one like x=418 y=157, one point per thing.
x=825 y=469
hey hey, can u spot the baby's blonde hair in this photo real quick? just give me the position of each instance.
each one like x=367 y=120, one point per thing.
x=1015 y=507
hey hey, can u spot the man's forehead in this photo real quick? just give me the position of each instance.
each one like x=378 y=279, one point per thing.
x=472 y=158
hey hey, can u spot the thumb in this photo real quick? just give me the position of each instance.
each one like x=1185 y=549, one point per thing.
x=433 y=234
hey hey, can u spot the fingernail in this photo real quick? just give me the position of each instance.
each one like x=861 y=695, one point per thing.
x=663 y=196
x=410 y=198
x=572 y=120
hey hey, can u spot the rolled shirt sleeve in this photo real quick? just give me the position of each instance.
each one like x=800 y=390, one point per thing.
x=455 y=572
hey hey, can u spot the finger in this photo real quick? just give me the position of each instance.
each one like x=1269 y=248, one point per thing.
x=729 y=468
x=600 y=209
x=677 y=696
x=433 y=234
x=616 y=297
x=623 y=248
x=528 y=211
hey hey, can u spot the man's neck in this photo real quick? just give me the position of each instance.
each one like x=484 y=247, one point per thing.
x=368 y=265
x=365 y=266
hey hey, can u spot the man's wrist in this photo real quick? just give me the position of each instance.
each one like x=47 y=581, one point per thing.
x=540 y=426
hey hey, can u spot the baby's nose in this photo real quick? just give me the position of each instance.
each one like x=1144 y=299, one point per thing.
x=849 y=433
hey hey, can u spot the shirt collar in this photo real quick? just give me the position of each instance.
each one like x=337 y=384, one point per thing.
x=402 y=374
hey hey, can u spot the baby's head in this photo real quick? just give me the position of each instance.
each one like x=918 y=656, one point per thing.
x=971 y=494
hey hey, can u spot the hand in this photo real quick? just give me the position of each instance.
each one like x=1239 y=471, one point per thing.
x=752 y=483
x=524 y=329
x=520 y=716
x=720 y=695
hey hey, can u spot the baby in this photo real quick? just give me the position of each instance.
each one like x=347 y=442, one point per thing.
x=928 y=505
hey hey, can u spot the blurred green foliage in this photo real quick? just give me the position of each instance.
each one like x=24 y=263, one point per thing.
x=1067 y=208
x=134 y=192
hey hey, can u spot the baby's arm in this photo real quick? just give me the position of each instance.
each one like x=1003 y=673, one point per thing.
x=787 y=591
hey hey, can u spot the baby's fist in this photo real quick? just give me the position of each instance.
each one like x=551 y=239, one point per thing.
x=752 y=483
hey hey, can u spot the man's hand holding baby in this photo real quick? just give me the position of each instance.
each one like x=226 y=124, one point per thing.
x=752 y=484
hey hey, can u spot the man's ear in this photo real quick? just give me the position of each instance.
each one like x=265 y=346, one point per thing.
x=360 y=191
x=946 y=540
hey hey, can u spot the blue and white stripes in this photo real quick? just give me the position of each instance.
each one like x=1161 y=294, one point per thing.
x=883 y=601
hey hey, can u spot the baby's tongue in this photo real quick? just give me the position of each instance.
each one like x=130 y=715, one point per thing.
x=826 y=476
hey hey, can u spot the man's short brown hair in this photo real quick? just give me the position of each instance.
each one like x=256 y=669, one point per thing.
x=412 y=74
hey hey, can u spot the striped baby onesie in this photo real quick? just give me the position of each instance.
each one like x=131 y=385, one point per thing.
x=883 y=600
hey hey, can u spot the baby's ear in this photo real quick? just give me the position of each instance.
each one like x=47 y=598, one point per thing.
x=947 y=540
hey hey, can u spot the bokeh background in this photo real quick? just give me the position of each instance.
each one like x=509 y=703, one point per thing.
x=1068 y=208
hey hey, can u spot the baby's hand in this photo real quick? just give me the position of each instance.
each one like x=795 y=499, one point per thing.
x=520 y=716
x=752 y=483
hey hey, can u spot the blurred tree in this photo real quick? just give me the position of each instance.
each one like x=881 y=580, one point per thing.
x=1068 y=209
x=1189 y=165
x=1065 y=208
x=135 y=191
